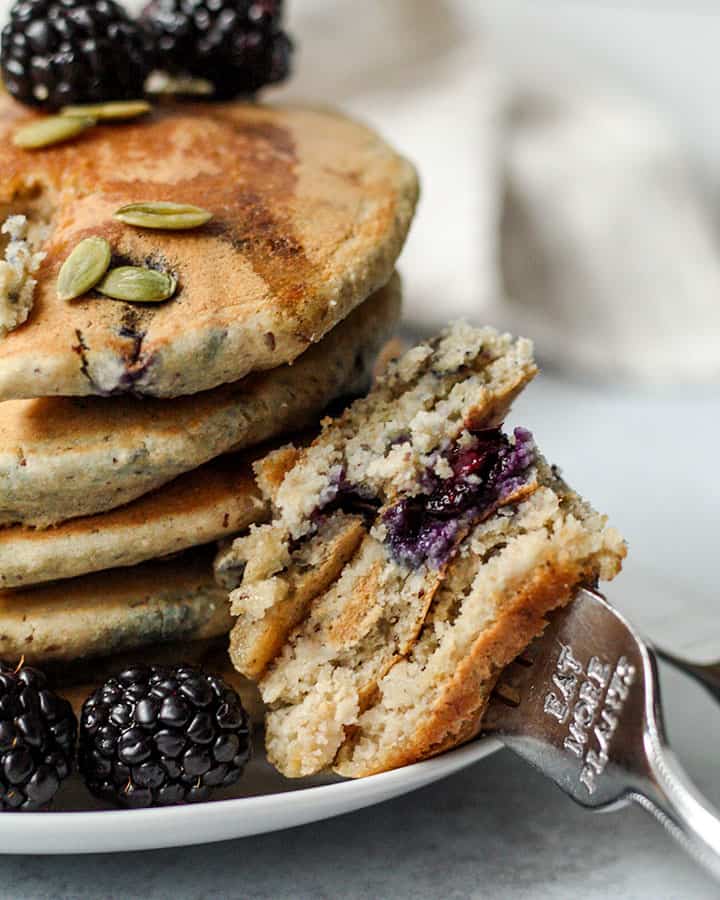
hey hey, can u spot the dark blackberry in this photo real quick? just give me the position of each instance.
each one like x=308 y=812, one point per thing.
x=38 y=732
x=157 y=736
x=56 y=52
x=238 y=45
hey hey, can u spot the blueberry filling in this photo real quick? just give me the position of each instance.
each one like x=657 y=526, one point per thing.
x=343 y=495
x=416 y=537
x=424 y=528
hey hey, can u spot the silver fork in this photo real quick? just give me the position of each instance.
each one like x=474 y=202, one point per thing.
x=582 y=705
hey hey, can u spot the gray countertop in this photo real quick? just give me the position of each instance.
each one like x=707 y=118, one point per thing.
x=497 y=829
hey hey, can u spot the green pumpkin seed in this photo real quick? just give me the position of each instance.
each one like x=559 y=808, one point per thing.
x=116 y=109
x=51 y=130
x=136 y=285
x=85 y=266
x=160 y=83
x=173 y=216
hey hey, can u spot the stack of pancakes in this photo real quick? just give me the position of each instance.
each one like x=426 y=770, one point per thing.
x=127 y=430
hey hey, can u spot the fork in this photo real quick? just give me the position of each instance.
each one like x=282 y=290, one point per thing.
x=582 y=705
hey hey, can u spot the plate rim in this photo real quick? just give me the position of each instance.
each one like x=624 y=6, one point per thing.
x=121 y=830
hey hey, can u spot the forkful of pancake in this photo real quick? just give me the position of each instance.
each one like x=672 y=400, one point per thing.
x=416 y=549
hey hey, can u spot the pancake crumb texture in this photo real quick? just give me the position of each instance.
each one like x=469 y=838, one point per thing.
x=414 y=551
x=509 y=573
x=22 y=240
x=381 y=448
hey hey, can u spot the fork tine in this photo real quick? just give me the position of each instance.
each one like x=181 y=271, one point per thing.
x=524 y=660
x=507 y=694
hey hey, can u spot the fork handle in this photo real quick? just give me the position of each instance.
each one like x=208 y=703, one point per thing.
x=669 y=795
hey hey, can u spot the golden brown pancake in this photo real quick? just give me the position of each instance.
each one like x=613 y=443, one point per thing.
x=213 y=502
x=110 y=612
x=378 y=604
x=310 y=213
x=66 y=457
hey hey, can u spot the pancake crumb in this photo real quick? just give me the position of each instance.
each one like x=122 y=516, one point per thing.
x=21 y=262
x=464 y=540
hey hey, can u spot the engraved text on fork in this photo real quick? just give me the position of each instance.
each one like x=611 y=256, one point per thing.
x=590 y=699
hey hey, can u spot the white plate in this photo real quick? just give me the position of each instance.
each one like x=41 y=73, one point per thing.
x=268 y=803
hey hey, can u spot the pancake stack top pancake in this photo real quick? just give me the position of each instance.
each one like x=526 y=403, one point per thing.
x=127 y=428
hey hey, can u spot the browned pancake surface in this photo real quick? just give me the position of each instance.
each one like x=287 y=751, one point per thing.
x=110 y=612
x=310 y=212
x=213 y=502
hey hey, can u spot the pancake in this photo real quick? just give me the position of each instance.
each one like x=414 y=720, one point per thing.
x=62 y=458
x=415 y=549
x=310 y=212
x=508 y=575
x=111 y=612
x=380 y=449
x=215 y=501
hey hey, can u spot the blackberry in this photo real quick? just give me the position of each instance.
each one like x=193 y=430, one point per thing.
x=238 y=45
x=38 y=731
x=158 y=736
x=57 y=52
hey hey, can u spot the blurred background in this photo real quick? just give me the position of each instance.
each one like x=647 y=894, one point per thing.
x=569 y=159
x=568 y=152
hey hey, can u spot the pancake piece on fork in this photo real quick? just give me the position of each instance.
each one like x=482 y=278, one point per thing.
x=412 y=524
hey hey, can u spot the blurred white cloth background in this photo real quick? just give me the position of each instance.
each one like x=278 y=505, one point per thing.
x=609 y=255
x=550 y=206
x=417 y=71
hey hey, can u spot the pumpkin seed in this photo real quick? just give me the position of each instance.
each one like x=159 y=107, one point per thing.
x=137 y=285
x=51 y=130
x=116 y=109
x=173 y=216
x=83 y=268
x=160 y=83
